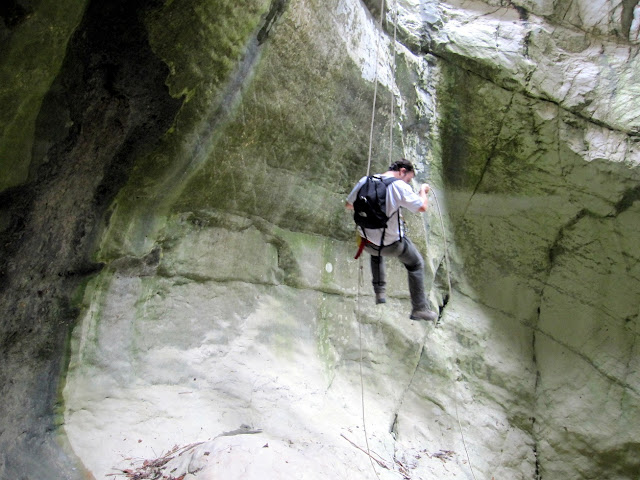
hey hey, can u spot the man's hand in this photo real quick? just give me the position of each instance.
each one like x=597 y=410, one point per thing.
x=424 y=195
x=349 y=206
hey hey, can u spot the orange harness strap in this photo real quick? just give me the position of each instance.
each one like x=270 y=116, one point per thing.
x=361 y=244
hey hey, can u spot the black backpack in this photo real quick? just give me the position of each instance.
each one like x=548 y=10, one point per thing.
x=370 y=205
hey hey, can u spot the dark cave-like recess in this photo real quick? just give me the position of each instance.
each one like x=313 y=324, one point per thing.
x=107 y=106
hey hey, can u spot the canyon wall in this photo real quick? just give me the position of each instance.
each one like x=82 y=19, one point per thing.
x=177 y=264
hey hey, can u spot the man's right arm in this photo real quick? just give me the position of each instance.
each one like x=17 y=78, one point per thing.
x=352 y=195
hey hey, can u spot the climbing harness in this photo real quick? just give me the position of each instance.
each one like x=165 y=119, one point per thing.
x=361 y=244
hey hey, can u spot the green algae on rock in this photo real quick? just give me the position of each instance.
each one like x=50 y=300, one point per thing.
x=32 y=54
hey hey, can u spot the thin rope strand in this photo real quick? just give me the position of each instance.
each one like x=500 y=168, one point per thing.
x=360 y=275
x=455 y=389
x=360 y=268
x=444 y=236
x=393 y=72
x=375 y=92
x=364 y=422
x=373 y=116
x=464 y=444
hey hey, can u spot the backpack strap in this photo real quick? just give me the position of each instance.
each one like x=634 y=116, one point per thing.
x=388 y=181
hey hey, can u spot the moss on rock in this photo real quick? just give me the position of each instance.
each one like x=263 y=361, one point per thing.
x=250 y=138
x=203 y=45
x=288 y=156
x=32 y=54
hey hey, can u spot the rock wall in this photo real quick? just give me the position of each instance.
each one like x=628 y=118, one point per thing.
x=92 y=115
x=540 y=156
x=179 y=267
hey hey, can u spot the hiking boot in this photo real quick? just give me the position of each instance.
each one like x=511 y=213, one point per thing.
x=428 y=315
x=380 y=298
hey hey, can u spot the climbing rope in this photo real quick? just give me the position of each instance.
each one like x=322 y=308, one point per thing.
x=444 y=237
x=393 y=70
x=360 y=267
x=375 y=88
x=455 y=390
x=464 y=444
x=359 y=321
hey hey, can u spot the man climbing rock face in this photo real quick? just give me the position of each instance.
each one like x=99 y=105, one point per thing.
x=389 y=240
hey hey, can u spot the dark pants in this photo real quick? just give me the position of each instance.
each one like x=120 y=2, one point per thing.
x=410 y=257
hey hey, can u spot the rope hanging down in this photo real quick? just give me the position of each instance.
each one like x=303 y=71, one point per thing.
x=444 y=237
x=455 y=389
x=375 y=84
x=393 y=71
x=360 y=268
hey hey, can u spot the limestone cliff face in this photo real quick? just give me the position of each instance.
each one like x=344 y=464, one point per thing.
x=177 y=263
